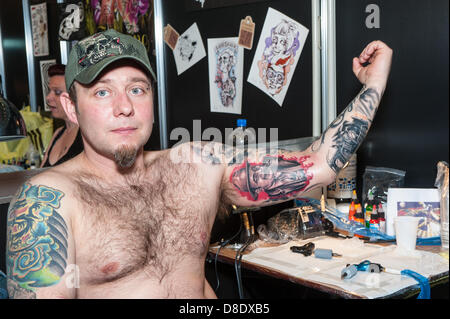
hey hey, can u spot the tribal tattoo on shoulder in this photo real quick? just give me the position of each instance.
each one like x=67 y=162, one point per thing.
x=37 y=244
x=274 y=178
x=348 y=131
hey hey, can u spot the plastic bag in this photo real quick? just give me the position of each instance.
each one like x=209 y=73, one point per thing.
x=291 y=224
x=39 y=133
x=379 y=180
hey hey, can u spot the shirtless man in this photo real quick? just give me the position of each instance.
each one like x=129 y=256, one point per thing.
x=118 y=222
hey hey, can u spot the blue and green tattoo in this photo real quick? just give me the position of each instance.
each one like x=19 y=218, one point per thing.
x=36 y=252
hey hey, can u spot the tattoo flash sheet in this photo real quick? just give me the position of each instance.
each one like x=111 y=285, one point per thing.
x=226 y=67
x=277 y=54
x=189 y=49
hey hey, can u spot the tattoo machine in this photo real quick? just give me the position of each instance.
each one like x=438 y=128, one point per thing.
x=351 y=270
x=308 y=250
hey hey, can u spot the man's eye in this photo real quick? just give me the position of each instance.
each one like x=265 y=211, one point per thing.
x=58 y=92
x=102 y=93
x=137 y=91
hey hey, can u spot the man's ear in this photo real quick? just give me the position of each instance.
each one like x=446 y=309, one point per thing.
x=69 y=107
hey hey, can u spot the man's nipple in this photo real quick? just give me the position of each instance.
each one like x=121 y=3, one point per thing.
x=110 y=268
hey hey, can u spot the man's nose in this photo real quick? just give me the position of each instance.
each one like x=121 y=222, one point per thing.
x=124 y=106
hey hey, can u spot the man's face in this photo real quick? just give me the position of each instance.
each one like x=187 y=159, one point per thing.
x=115 y=114
x=261 y=176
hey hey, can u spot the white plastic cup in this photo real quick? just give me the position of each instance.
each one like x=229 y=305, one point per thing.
x=406 y=232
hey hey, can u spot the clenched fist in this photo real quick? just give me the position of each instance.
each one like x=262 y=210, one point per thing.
x=376 y=73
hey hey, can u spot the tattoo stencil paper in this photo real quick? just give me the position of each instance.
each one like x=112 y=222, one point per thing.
x=226 y=65
x=189 y=49
x=277 y=54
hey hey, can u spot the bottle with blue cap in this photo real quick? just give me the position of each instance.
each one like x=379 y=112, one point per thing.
x=240 y=138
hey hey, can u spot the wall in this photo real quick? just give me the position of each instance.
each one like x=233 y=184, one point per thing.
x=410 y=131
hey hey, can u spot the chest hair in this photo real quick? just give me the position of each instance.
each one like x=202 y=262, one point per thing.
x=153 y=220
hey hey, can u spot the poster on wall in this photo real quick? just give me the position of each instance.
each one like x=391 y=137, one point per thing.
x=44 y=65
x=133 y=17
x=39 y=28
x=189 y=49
x=226 y=67
x=277 y=54
x=193 y=5
x=71 y=20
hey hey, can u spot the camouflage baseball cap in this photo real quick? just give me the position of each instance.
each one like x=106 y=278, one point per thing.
x=93 y=54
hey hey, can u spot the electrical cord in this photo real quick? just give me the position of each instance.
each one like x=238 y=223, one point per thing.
x=237 y=265
x=223 y=243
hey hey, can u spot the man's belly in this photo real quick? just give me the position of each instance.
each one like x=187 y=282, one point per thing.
x=186 y=281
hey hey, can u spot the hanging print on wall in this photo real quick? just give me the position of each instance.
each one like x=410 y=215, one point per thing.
x=39 y=26
x=71 y=22
x=277 y=54
x=226 y=65
x=189 y=49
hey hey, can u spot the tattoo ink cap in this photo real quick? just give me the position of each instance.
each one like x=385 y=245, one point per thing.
x=90 y=56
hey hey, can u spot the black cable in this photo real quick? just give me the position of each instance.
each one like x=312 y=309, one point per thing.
x=237 y=265
x=223 y=244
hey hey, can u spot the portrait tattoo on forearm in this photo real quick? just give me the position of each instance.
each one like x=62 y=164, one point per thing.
x=275 y=178
x=348 y=131
x=37 y=241
x=346 y=141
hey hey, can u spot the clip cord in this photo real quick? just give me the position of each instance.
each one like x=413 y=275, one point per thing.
x=237 y=265
x=423 y=283
x=223 y=244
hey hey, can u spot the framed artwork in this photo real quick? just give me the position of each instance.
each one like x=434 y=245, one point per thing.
x=44 y=65
x=277 y=54
x=415 y=202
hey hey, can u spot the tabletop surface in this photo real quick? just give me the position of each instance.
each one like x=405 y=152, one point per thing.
x=320 y=274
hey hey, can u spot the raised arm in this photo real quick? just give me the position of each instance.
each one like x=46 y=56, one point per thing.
x=40 y=251
x=264 y=179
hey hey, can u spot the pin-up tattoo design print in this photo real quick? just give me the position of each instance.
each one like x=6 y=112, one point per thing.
x=226 y=55
x=37 y=241
x=279 y=55
x=275 y=178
